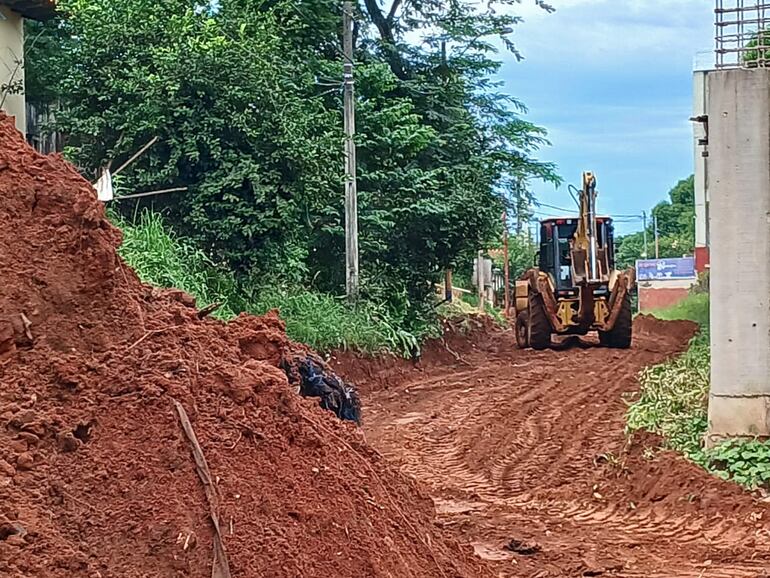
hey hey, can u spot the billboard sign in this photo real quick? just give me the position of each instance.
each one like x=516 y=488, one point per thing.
x=661 y=269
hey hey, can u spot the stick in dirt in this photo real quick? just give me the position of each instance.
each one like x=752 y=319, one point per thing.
x=220 y=567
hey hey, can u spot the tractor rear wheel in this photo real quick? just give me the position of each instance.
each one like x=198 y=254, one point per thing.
x=620 y=336
x=539 y=326
x=522 y=330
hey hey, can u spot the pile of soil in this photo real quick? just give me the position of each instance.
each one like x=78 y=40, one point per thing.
x=97 y=476
x=666 y=335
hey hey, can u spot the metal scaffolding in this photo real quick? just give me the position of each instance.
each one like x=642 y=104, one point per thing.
x=742 y=34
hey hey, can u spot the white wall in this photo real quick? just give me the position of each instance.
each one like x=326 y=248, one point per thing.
x=11 y=52
x=700 y=107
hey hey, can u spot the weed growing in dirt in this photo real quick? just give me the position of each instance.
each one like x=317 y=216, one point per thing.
x=746 y=462
x=327 y=323
x=320 y=320
x=673 y=403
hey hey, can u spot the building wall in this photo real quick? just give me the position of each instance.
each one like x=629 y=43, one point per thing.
x=700 y=108
x=11 y=71
x=654 y=295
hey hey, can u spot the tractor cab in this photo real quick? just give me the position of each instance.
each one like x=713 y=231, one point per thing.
x=557 y=247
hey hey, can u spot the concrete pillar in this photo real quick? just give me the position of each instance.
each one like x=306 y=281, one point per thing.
x=739 y=184
x=11 y=72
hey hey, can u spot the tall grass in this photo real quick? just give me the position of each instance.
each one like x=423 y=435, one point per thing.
x=322 y=321
x=328 y=323
x=162 y=259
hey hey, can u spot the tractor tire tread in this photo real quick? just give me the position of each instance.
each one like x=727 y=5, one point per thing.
x=620 y=336
x=522 y=330
x=539 y=326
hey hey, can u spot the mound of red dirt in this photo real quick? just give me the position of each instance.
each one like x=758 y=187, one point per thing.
x=663 y=336
x=97 y=471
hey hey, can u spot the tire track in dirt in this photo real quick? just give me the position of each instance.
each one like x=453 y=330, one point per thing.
x=530 y=445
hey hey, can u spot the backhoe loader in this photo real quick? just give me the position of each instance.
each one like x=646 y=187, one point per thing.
x=575 y=287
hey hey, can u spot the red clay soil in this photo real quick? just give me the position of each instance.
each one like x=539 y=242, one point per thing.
x=97 y=478
x=525 y=456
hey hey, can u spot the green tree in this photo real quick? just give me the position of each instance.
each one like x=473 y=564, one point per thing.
x=244 y=96
x=676 y=227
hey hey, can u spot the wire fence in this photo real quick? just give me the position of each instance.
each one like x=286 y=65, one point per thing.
x=742 y=34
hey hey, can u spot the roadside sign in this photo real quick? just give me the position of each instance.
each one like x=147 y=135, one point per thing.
x=654 y=269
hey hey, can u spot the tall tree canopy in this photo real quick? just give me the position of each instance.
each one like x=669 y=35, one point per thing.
x=244 y=96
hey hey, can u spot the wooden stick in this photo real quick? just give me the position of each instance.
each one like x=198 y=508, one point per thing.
x=136 y=156
x=206 y=311
x=27 y=324
x=221 y=567
x=152 y=193
x=145 y=336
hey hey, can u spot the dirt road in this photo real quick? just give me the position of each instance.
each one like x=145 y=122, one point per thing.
x=529 y=446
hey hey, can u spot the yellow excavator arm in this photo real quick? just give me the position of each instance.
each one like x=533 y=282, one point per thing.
x=587 y=202
x=584 y=246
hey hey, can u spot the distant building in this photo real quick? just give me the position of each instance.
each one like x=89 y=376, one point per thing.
x=12 y=14
x=704 y=64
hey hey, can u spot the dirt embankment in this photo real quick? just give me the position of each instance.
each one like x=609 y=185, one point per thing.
x=97 y=477
x=525 y=456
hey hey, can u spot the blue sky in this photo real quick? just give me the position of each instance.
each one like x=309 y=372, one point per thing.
x=611 y=80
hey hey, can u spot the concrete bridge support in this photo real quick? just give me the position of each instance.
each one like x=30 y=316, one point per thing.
x=739 y=183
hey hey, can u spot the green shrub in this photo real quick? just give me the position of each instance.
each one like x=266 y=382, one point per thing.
x=746 y=462
x=328 y=323
x=673 y=399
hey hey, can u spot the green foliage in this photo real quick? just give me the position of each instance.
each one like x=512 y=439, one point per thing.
x=521 y=252
x=673 y=403
x=327 y=323
x=245 y=99
x=746 y=462
x=324 y=322
x=676 y=228
x=760 y=50
x=162 y=259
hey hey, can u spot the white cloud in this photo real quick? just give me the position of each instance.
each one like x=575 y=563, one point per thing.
x=611 y=81
x=610 y=32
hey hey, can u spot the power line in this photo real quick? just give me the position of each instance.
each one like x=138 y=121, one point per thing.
x=617 y=218
x=539 y=204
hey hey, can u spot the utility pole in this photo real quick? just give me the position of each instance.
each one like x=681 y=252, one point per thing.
x=480 y=280
x=351 y=193
x=657 y=238
x=506 y=265
x=644 y=216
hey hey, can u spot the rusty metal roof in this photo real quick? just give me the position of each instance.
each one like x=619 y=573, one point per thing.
x=35 y=9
